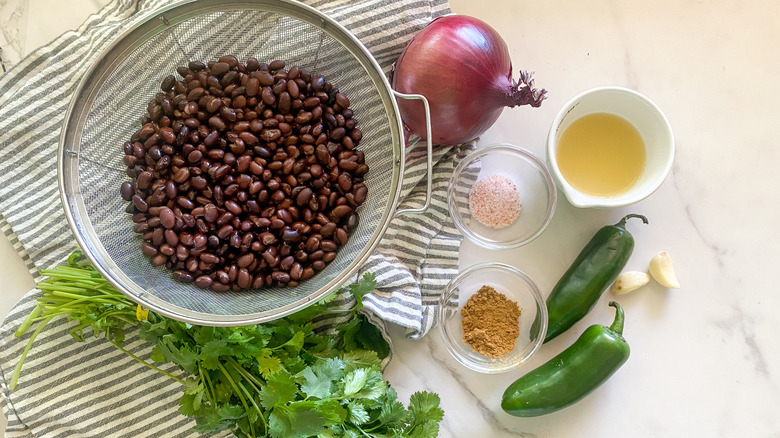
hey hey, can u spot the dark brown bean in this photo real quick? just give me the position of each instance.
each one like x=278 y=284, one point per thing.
x=341 y=236
x=140 y=203
x=281 y=277
x=233 y=207
x=199 y=240
x=183 y=276
x=159 y=260
x=328 y=245
x=168 y=83
x=203 y=281
x=307 y=273
x=268 y=96
x=148 y=249
x=342 y=100
x=245 y=260
x=291 y=236
x=217 y=123
x=219 y=287
x=312 y=244
x=345 y=182
x=168 y=250
x=167 y=218
x=219 y=69
x=296 y=271
x=209 y=258
x=171 y=238
x=127 y=190
x=328 y=229
x=224 y=232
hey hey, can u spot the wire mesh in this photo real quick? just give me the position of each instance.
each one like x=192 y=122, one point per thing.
x=117 y=103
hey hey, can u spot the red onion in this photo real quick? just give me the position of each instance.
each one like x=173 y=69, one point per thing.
x=462 y=66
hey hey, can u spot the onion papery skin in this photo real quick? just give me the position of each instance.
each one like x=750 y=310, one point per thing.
x=462 y=67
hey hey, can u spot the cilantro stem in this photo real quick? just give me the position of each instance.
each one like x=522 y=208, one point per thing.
x=252 y=379
x=28 y=322
x=209 y=389
x=238 y=393
x=242 y=371
x=143 y=362
x=62 y=290
x=18 y=369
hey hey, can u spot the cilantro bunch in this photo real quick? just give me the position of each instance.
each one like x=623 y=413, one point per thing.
x=280 y=379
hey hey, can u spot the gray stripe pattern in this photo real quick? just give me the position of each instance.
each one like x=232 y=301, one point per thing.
x=91 y=389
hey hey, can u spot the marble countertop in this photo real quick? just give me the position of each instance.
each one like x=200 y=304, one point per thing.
x=705 y=359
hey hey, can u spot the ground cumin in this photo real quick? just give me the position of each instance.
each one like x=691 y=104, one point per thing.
x=490 y=322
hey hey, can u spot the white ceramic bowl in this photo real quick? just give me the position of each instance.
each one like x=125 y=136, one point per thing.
x=646 y=117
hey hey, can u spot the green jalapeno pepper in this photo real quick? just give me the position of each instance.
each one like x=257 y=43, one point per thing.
x=597 y=265
x=571 y=375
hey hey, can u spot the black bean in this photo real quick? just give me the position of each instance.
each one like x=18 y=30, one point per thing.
x=127 y=190
x=203 y=281
x=140 y=203
x=244 y=279
x=281 y=277
x=342 y=100
x=276 y=65
x=219 y=69
x=183 y=276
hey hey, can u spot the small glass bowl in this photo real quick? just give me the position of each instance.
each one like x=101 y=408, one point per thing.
x=534 y=183
x=516 y=286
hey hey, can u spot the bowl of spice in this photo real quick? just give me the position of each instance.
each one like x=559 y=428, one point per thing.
x=502 y=196
x=485 y=316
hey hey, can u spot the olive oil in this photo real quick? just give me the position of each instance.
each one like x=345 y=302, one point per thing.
x=601 y=154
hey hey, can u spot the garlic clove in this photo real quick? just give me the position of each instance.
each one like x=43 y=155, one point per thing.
x=662 y=270
x=629 y=281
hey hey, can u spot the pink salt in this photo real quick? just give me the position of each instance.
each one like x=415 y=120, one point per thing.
x=495 y=202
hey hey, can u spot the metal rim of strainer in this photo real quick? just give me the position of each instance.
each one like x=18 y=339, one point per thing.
x=142 y=30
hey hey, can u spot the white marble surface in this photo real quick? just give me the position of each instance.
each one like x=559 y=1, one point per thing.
x=705 y=359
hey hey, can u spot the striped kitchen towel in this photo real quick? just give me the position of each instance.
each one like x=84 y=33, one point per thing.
x=89 y=389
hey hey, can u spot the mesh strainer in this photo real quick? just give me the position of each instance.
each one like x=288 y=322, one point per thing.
x=113 y=95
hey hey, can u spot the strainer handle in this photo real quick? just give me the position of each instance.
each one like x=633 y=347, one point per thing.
x=429 y=156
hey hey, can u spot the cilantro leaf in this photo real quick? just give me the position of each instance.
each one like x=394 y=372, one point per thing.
x=360 y=359
x=426 y=415
x=297 y=420
x=424 y=406
x=393 y=413
x=190 y=404
x=211 y=351
x=357 y=412
x=332 y=412
x=355 y=381
x=425 y=430
x=364 y=287
x=368 y=337
x=183 y=356
x=374 y=386
x=268 y=364
x=213 y=420
x=295 y=344
x=318 y=379
x=280 y=389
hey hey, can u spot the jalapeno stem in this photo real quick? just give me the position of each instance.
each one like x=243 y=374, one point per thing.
x=622 y=223
x=617 y=325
